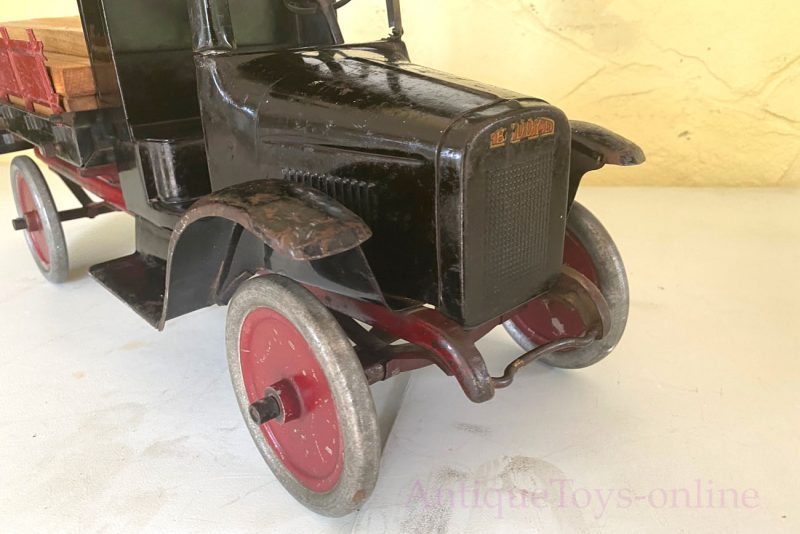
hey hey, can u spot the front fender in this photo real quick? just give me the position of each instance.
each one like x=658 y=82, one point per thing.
x=593 y=147
x=610 y=147
x=292 y=219
x=222 y=237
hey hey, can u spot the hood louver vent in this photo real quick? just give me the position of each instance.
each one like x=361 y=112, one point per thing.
x=356 y=195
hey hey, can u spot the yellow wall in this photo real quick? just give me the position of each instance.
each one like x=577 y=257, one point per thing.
x=29 y=9
x=709 y=88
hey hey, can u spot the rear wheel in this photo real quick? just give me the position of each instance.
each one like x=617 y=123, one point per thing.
x=589 y=249
x=303 y=395
x=44 y=233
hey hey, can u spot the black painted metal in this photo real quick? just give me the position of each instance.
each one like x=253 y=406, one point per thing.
x=10 y=143
x=268 y=225
x=137 y=280
x=204 y=96
x=77 y=191
x=265 y=410
x=593 y=147
x=500 y=211
x=395 y=18
x=84 y=139
x=212 y=25
x=216 y=255
x=89 y=211
x=176 y=167
x=612 y=147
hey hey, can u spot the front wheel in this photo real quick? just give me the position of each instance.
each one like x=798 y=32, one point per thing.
x=303 y=395
x=589 y=249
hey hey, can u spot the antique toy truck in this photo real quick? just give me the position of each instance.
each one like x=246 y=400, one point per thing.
x=360 y=215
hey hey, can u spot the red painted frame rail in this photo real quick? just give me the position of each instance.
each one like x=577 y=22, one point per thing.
x=102 y=181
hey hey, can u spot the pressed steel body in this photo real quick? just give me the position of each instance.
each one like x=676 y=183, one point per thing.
x=246 y=137
x=360 y=215
x=383 y=137
x=404 y=147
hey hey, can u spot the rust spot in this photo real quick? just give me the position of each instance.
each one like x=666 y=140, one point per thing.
x=291 y=218
x=359 y=496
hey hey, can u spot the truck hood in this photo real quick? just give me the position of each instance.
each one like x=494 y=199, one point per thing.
x=360 y=92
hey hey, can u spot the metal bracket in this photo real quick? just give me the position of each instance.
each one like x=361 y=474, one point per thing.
x=382 y=360
x=567 y=343
x=577 y=291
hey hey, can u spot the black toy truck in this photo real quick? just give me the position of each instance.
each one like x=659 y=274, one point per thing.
x=360 y=215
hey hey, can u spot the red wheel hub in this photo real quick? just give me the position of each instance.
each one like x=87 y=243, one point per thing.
x=276 y=358
x=544 y=320
x=34 y=223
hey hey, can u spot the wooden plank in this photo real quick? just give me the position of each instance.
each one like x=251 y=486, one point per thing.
x=80 y=103
x=42 y=110
x=72 y=76
x=70 y=104
x=61 y=35
x=37 y=108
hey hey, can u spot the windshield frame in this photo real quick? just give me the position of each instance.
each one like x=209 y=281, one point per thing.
x=213 y=31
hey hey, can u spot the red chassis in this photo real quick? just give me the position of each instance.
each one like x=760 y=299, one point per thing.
x=574 y=302
x=101 y=181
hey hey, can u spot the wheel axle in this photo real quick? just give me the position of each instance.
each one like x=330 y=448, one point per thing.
x=265 y=410
x=89 y=211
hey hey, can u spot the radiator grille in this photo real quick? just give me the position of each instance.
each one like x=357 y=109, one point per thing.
x=356 y=195
x=517 y=224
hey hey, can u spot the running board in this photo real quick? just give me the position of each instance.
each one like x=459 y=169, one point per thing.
x=137 y=280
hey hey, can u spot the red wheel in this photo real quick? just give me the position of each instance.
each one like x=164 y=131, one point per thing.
x=589 y=249
x=44 y=233
x=303 y=394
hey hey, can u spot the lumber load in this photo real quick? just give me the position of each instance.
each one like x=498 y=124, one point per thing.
x=66 y=58
x=71 y=75
x=60 y=35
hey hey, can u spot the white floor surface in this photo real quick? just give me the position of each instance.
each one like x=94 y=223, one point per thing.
x=692 y=425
